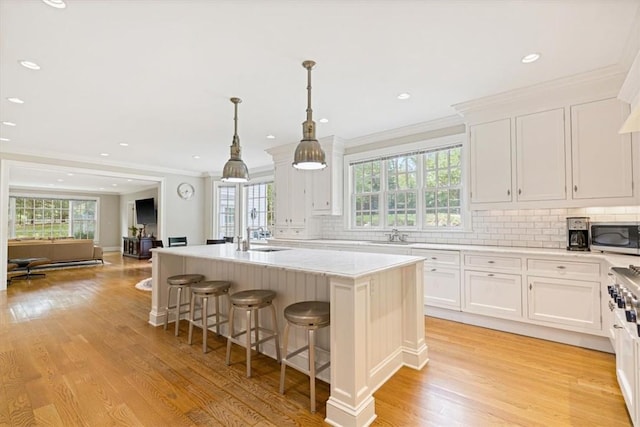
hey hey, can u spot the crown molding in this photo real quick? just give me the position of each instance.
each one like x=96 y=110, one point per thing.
x=606 y=80
x=400 y=132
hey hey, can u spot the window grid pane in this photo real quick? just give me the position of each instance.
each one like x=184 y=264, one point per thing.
x=443 y=185
x=366 y=197
x=226 y=211
x=260 y=209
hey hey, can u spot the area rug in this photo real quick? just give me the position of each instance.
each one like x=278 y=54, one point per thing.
x=144 y=285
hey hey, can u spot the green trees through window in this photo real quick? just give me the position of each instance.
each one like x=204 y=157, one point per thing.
x=31 y=217
x=420 y=190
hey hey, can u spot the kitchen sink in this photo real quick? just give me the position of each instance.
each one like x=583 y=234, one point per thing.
x=268 y=249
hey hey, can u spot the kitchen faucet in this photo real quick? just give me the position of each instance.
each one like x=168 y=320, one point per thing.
x=396 y=236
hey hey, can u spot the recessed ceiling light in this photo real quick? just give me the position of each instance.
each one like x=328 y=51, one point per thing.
x=404 y=95
x=50 y=185
x=60 y=180
x=8 y=123
x=129 y=180
x=58 y=4
x=15 y=100
x=324 y=120
x=102 y=188
x=124 y=144
x=104 y=154
x=271 y=136
x=5 y=139
x=115 y=185
x=28 y=64
x=532 y=57
x=196 y=157
x=69 y=174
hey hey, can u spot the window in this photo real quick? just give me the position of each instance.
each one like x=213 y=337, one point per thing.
x=421 y=189
x=226 y=211
x=260 y=209
x=32 y=217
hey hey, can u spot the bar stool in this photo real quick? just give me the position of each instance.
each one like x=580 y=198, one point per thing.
x=202 y=291
x=179 y=282
x=251 y=301
x=310 y=315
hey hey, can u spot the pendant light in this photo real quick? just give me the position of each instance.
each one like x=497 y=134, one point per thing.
x=309 y=154
x=235 y=170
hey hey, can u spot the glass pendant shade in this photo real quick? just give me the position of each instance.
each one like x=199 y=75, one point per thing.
x=309 y=154
x=235 y=170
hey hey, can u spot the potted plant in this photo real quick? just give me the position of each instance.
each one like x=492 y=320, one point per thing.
x=133 y=230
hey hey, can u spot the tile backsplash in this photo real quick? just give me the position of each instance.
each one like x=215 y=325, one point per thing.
x=534 y=228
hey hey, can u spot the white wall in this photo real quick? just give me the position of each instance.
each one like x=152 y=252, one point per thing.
x=185 y=217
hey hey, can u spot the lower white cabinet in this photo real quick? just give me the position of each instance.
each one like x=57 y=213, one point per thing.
x=441 y=278
x=565 y=302
x=493 y=294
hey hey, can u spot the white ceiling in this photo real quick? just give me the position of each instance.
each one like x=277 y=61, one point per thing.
x=158 y=74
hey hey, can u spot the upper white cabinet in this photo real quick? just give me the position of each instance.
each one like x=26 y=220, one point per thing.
x=292 y=198
x=328 y=182
x=540 y=156
x=490 y=152
x=602 y=159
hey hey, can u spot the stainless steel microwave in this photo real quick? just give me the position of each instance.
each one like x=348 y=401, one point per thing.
x=620 y=237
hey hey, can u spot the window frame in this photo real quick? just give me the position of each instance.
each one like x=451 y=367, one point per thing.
x=399 y=150
x=245 y=196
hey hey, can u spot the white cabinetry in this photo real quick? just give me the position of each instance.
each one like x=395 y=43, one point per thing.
x=441 y=278
x=328 y=182
x=292 y=200
x=540 y=156
x=490 y=288
x=602 y=159
x=626 y=364
x=491 y=162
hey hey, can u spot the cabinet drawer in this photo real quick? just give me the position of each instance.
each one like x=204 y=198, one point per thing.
x=570 y=269
x=444 y=258
x=490 y=261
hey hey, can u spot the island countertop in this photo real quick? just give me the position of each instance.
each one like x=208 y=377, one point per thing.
x=328 y=262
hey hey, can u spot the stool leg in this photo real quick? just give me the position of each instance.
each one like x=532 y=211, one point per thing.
x=231 y=309
x=205 y=323
x=166 y=316
x=217 y=315
x=249 y=342
x=285 y=340
x=312 y=368
x=275 y=332
x=256 y=325
x=178 y=305
x=192 y=317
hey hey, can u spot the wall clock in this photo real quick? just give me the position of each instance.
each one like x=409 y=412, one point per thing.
x=185 y=190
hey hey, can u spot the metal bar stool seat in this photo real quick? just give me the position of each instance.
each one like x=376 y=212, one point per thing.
x=251 y=301
x=179 y=282
x=310 y=315
x=202 y=291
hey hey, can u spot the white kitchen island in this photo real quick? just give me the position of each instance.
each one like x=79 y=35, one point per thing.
x=377 y=322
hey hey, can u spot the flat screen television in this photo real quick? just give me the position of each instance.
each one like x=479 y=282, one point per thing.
x=145 y=211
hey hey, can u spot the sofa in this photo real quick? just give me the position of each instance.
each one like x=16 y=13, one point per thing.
x=56 y=250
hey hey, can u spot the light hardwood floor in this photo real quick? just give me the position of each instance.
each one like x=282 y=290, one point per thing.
x=76 y=349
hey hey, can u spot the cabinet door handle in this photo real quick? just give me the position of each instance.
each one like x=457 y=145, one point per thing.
x=490 y=275
x=433 y=257
x=561 y=267
x=433 y=269
x=491 y=262
x=617 y=326
x=530 y=287
x=575 y=188
x=508 y=192
x=327 y=203
x=519 y=191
